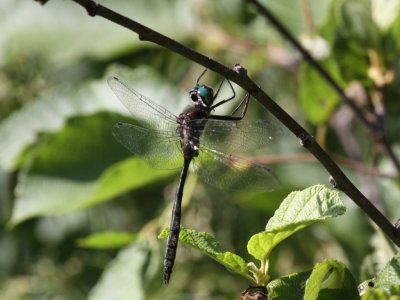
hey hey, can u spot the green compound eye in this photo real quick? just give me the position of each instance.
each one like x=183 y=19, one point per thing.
x=206 y=93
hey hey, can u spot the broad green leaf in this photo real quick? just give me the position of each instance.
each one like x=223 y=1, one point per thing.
x=356 y=23
x=377 y=294
x=394 y=31
x=78 y=167
x=299 y=209
x=374 y=262
x=331 y=275
x=293 y=18
x=389 y=277
x=395 y=290
x=317 y=97
x=47 y=114
x=347 y=61
x=59 y=23
x=126 y=275
x=107 y=240
x=261 y=244
x=384 y=12
x=208 y=245
x=123 y=176
x=309 y=205
x=288 y=287
x=50 y=112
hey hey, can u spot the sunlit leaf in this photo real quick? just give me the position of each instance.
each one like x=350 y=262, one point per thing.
x=309 y=205
x=377 y=294
x=107 y=240
x=289 y=287
x=357 y=25
x=293 y=18
x=389 y=277
x=210 y=246
x=50 y=112
x=78 y=167
x=59 y=24
x=261 y=244
x=299 y=209
x=384 y=12
x=333 y=278
x=125 y=277
x=317 y=97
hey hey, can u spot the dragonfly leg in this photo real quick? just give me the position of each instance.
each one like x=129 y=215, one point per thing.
x=201 y=75
x=219 y=88
x=245 y=103
x=226 y=100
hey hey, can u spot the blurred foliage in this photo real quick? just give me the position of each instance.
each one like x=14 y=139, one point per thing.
x=80 y=215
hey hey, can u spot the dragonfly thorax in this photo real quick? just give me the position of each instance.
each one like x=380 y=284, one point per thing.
x=202 y=96
x=190 y=125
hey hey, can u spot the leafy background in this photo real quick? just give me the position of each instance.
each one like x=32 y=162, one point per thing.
x=80 y=215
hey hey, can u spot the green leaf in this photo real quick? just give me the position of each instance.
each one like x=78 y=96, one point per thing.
x=208 y=245
x=46 y=114
x=288 y=287
x=59 y=24
x=127 y=274
x=107 y=240
x=384 y=12
x=293 y=18
x=79 y=167
x=261 y=244
x=120 y=178
x=348 y=59
x=312 y=204
x=377 y=294
x=389 y=277
x=317 y=97
x=331 y=275
x=50 y=112
x=394 y=31
x=299 y=209
x=357 y=25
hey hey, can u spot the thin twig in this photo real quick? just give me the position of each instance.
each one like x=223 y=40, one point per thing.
x=374 y=128
x=239 y=76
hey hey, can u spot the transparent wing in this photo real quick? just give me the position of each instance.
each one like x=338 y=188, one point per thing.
x=232 y=172
x=160 y=149
x=145 y=111
x=238 y=136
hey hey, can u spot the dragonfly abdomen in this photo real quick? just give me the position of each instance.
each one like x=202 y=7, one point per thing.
x=175 y=225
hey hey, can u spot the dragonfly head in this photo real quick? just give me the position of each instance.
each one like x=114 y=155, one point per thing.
x=202 y=95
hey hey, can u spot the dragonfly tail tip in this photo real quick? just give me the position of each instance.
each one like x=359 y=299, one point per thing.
x=166 y=278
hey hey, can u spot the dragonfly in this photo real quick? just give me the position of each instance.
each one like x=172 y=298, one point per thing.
x=196 y=138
